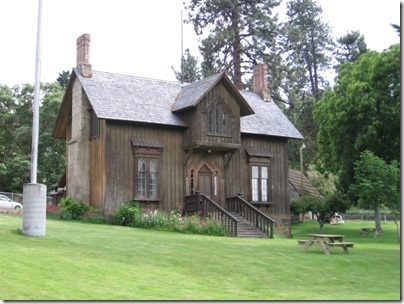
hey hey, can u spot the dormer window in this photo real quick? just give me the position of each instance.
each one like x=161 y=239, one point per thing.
x=218 y=119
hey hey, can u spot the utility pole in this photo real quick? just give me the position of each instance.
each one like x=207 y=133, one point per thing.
x=301 y=174
x=301 y=167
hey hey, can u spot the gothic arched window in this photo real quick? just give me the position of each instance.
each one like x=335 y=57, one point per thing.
x=218 y=119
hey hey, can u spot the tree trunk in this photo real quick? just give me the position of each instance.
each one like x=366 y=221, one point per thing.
x=313 y=50
x=237 y=52
x=378 y=225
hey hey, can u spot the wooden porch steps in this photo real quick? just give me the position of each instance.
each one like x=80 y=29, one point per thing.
x=246 y=229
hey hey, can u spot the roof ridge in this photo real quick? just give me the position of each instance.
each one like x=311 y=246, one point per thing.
x=135 y=76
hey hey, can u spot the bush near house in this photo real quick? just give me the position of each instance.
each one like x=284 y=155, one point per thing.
x=129 y=214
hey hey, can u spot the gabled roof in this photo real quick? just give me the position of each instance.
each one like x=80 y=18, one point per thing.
x=295 y=178
x=145 y=100
x=131 y=98
x=191 y=94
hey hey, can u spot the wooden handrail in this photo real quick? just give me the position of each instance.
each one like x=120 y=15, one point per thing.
x=249 y=212
x=200 y=202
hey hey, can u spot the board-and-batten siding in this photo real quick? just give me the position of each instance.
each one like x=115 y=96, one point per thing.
x=197 y=119
x=97 y=168
x=120 y=166
x=278 y=172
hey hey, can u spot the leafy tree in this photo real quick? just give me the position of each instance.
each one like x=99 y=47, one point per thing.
x=323 y=209
x=189 y=69
x=240 y=33
x=307 y=44
x=362 y=111
x=350 y=47
x=376 y=184
x=16 y=136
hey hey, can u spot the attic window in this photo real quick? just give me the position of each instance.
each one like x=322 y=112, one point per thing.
x=218 y=119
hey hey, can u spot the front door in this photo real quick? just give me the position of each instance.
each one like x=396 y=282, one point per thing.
x=205 y=181
x=205 y=185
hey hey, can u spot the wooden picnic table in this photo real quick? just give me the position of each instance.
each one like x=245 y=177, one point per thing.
x=325 y=241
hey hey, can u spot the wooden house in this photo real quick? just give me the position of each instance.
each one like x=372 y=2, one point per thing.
x=161 y=142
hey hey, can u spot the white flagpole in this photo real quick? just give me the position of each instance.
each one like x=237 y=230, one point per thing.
x=35 y=121
x=34 y=195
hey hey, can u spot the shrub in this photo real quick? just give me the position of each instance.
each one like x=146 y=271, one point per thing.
x=127 y=214
x=70 y=209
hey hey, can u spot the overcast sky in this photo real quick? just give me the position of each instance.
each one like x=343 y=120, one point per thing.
x=142 y=38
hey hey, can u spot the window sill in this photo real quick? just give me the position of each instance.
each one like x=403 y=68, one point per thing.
x=262 y=203
x=147 y=200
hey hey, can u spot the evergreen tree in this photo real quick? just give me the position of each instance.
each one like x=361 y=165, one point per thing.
x=189 y=69
x=239 y=34
x=63 y=79
x=307 y=44
x=350 y=47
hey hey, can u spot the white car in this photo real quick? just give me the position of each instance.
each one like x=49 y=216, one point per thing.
x=336 y=219
x=7 y=203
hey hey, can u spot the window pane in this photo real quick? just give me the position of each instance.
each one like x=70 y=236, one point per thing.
x=217 y=118
x=254 y=171
x=254 y=186
x=211 y=121
x=141 y=177
x=153 y=168
x=264 y=172
x=264 y=184
x=225 y=120
x=264 y=190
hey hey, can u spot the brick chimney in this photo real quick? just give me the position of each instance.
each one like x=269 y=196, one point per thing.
x=260 y=81
x=83 y=55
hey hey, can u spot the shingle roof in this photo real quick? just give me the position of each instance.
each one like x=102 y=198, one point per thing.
x=190 y=94
x=267 y=120
x=130 y=98
x=139 y=99
x=260 y=152
x=145 y=142
x=308 y=188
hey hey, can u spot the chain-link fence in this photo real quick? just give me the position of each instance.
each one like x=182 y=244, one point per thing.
x=17 y=197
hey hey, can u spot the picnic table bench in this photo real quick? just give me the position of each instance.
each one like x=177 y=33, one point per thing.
x=374 y=231
x=319 y=240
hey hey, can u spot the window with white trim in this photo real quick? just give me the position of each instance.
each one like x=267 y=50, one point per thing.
x=260 y=183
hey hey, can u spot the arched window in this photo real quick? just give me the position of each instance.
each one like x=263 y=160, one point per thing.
x=218 y=119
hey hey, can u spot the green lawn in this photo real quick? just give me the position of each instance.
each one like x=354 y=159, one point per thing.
x=78 y=261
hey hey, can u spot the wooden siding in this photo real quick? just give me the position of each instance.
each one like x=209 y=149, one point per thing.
x=238 y=173
x=197 y=119
x=120 y=175
x=97 y=167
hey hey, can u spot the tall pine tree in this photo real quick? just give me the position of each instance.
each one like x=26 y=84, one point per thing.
x=238 y=34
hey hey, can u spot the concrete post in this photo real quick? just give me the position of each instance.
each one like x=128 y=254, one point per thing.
x=34 y=210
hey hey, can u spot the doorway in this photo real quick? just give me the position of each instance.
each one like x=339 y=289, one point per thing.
x=205 y=181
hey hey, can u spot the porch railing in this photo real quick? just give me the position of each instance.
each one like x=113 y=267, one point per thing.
x=201 y=203
x=249 y=212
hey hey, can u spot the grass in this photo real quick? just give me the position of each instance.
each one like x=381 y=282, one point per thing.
x=79 y=261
